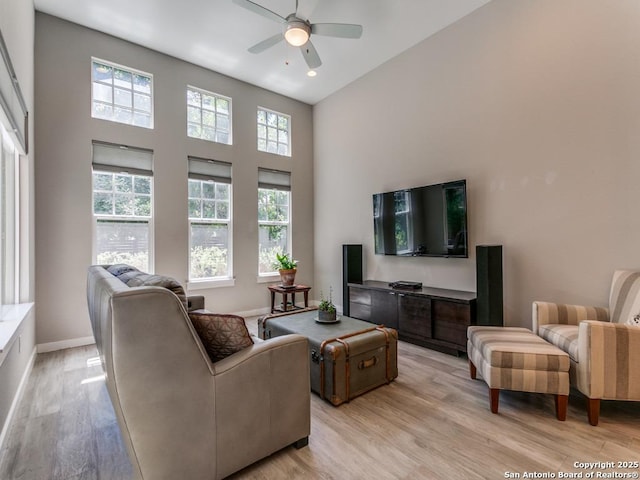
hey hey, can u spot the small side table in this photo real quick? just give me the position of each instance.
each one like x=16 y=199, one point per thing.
x=285 y=291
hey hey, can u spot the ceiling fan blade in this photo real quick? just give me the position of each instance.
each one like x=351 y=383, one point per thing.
x=260 y=10
x=306 y=8
x=341 y=30
x=310 y=55
x=268 y=43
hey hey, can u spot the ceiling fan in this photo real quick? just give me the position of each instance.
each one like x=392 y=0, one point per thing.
x=297 y=31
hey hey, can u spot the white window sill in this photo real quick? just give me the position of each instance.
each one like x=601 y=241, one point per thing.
x=210 y=283
x=268 y=278
x=11 y=317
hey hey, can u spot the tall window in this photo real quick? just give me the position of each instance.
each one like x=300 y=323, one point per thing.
x=122 y=205
x=274 y=132
x=121 y=94
x=209 y=219
x=8 y=219
x=274 y=217
x=208 y=116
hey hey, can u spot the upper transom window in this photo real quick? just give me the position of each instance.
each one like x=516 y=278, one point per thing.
x=208 y=116
x=121 y=94
x=274 y=132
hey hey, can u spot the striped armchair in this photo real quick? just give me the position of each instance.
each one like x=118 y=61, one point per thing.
x=603 y=344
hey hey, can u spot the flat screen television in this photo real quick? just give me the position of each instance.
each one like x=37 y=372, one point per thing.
x=429 y=221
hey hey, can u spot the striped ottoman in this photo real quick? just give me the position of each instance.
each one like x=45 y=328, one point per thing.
x=512 y=358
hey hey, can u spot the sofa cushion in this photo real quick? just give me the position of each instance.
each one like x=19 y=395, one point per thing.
x=565 y=337
x=221 y=335
x=147 y=280
x=624 y=298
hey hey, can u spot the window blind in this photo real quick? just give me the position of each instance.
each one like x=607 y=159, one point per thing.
x=274 y=179
x=108 y=157
x=13 y=108
x=203 y=169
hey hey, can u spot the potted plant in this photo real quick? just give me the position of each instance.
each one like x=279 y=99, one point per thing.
x=326 y=309
x=287 y=267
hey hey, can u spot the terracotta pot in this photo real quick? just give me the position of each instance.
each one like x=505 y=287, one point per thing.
x=288 y=276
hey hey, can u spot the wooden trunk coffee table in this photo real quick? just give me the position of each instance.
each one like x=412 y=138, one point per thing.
x=348 y=357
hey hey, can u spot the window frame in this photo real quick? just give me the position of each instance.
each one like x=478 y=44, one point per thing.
x=113 y=105
x=216 y=96
x=118 y=160
x=266 y=125
x=276 y=187
x=202 y=176
x=10 y=220
x=128 y=219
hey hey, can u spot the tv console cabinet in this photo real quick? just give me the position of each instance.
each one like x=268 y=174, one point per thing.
x=430 y=317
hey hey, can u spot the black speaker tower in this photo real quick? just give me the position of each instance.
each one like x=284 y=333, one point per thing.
x=489 y=285
x=351 y=271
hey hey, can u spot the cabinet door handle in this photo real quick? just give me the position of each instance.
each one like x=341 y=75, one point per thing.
x=401 y=294
x=392 y=293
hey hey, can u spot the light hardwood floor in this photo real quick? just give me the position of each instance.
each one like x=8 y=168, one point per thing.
x=432 y=422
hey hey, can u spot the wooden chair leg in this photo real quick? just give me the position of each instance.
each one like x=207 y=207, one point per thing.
x=561 y=407
x=472 y=370
x=494 y=395
x=593 y=410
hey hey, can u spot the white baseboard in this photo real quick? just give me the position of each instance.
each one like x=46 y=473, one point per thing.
x=17 y=397
x=82 y=341
x=74 y=342
x=253 y=313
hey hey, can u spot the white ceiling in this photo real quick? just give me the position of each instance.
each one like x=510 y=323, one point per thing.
x=215 y=34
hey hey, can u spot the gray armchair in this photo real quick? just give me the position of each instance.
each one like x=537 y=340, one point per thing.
x=182 y=416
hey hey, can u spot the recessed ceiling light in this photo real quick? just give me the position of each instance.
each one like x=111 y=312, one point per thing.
x=312 y=73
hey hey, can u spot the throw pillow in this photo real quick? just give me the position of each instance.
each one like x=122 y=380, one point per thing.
x=634 y=320
x=120 y=268
x=126 y=276
x=624 y=300
x=148 y=280
x=221 y=335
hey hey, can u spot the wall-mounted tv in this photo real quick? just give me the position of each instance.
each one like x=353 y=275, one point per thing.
x=429 y=221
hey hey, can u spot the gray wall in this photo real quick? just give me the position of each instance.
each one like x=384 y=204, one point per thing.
x=65 y=130
x=17 y=27
x=536 y=104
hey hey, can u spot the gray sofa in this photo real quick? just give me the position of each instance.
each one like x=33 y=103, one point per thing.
x=182 y=416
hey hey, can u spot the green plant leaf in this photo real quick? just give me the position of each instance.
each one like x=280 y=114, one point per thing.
x=284 y=262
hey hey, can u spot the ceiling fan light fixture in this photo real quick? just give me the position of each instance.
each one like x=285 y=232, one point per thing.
x=297 y=33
